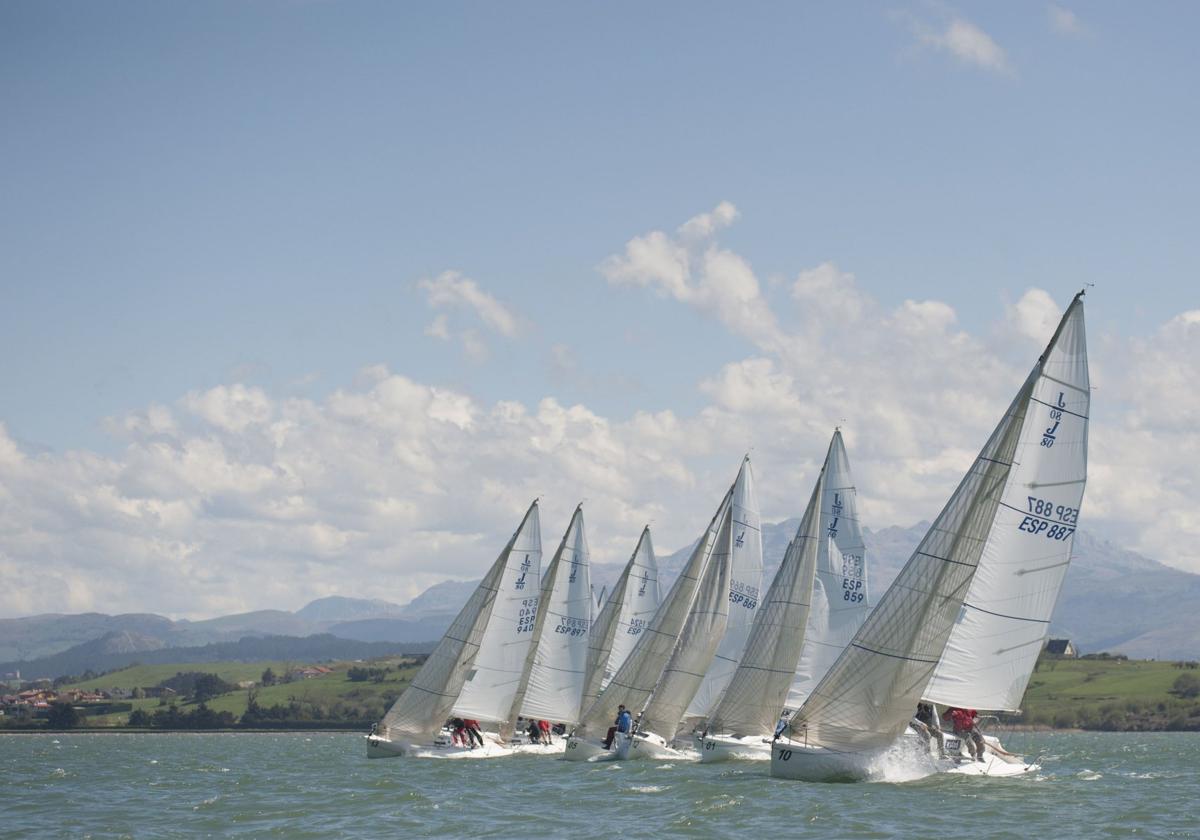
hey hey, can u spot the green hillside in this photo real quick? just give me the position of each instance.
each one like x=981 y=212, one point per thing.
x=331 y=698
x=1111 y=694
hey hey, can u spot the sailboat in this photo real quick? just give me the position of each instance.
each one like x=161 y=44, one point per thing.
x=477 y=650
x=745 y=583
x=635 y=680
x=994 y=646
x=743 y=721
x=865 y=701
x=823 y=576
x=704 y=631
x=631 y=604
x=841 y=597
x=551 y=685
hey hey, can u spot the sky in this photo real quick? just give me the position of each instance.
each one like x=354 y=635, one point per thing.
x=313 y=298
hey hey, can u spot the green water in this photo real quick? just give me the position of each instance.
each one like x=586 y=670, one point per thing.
x=321 y=785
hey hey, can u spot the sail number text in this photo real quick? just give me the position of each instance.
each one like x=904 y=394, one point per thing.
x=527 y=615
x=1054 y=522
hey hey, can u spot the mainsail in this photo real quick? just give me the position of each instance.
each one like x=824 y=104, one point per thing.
x=995 y=644
x=698 y=642
x=755 y=696
x=634 y=681
x=418 y=714
x=744 y=549
x=631 y=604
x=493 y=679
x=840 y=601
x=554 y=668
x=867 y=698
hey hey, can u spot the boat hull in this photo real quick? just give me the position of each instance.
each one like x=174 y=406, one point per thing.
x=716 y=748
x=380 y=747
x=586 y=749
x=815 y=764
x=648 y=745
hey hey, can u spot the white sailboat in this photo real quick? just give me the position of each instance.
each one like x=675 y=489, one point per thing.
x=994 y=646
x=631 y=605
x=745 y=584
x=499 y=611
x=864 y=702
x=551 y=687
x=694 y=651
x=743 y=722
x=634 y=682
x=841 y=597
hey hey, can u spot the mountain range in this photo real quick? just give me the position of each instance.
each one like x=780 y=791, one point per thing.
x=1113 y=600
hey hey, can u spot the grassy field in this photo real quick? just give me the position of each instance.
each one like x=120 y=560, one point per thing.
x=329 y=696
x=1065 y=693
x=1109 y=694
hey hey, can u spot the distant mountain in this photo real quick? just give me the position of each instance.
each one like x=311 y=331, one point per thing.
x=337 y=608
x=1113 y=599
x=104 y=654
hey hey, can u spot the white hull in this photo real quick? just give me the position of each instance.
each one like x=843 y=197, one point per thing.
x=586 y=749
x=909 y=756
x=380 y=747
x=814 y=764
x=651 y=746
x=714 y=748
x=555 y=747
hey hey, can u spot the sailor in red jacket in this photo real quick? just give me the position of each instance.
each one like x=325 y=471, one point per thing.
x=964 y=723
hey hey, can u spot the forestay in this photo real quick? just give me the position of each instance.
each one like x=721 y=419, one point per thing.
x=744 y=548
x=634 y=681
x=631 y=604
x=756 y=693
x=492 y=682
x=422 y=709
x=698 y=641
x=994 y=646
x=553 y=683
x=840 y=601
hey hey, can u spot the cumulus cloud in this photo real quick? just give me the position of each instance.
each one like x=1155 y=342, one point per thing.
x=692 y=269
x=451 y=290
x=964 y=40
x=233 y=498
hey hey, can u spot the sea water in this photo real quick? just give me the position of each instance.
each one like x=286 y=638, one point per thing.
x=321 y=785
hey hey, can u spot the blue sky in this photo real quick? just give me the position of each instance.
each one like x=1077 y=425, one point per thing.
x=204 y=196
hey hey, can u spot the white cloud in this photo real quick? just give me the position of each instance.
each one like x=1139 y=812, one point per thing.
x=964 y=40
x=1064 y=21
x=232 y=498
x=690 y=268
x=451 y=290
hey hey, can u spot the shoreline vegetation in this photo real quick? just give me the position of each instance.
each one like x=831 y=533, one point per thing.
x=1099 y=692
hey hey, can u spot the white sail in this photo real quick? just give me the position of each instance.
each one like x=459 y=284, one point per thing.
x=745 y=583
x=698 y=642
x=493 y=679
x=867 y=698
x=631 y=604
x=755 y=695
x=840 y=595
x=558 y=656
x=993 y=648
x=418 y=714
x=634 y=681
